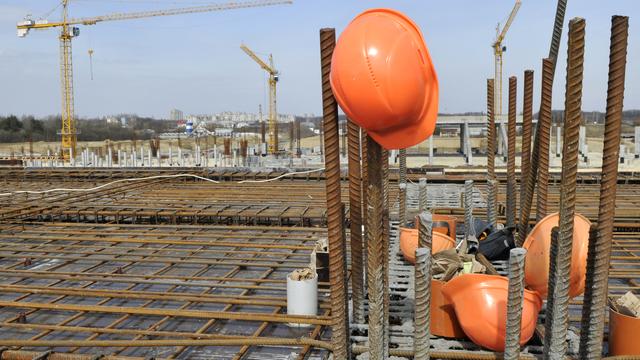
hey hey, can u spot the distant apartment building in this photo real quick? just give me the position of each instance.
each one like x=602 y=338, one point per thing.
x=176 y=115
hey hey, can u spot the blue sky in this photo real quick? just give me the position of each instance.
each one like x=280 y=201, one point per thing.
x=194 y=63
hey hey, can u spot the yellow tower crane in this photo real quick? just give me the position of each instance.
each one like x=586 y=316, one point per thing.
x=273 y=113
x=68 y=31
x=498 y=50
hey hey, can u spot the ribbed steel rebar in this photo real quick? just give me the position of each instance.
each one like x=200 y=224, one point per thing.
x=540 y=158
x=548 y=319
x=525 y=157
x=492 y=190
x=491 y=130
x=469 y=229
x=375 y=256
x=355 y=217
x=514 y=303
x=402 y=183
x=596 y=290
x=422 y=195
x=335 y=226
x=425 y=229
x=385 y=237
x=511 y=153
x=365 y=187
x=421 y=343
x=526 y=188
x=557 y=33
x=573 y=115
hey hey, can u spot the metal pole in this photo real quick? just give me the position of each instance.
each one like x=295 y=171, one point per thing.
x=355 y=214
x=514 y=303
x=402 y=183
x=573 y=102
x=491 y=131
x=469 y=229
x=525 y=157
x=422 y=194
x=596 y=290
x=376 y=249
x=335 y=233
x=511 y=153
x=492 y=189
x=422 y=287
x=540 y=159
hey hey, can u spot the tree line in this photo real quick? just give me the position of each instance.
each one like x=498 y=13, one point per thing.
x=28 y=128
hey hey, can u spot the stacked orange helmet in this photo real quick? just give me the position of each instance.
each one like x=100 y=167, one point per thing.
x=384 y=80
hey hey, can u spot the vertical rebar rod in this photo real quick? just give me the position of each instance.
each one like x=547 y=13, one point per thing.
x=422 y=195
x=573 y=103
x=548 y=319
x=491 y=130
x=335 y=231
x=375 y=254
x=557 y=33
x=526 y=191
x=596 y=290
x=385 y=237
x=425 y=229
x=514 y=303
x=355 y=214
x=492 y=189
x=402 y=184
x=365 y=187
x=423 y=288
x=511 y=153
x=540 y=159
x=469 y=229
x=525 y=157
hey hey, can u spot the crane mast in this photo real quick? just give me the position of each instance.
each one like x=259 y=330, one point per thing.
x=273 y=112
x=498 y=51
x=69 y=130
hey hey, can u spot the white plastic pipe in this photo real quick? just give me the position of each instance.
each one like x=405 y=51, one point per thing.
x=302 y=298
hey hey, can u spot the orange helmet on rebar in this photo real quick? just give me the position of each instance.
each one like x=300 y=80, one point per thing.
x=384 y=80
x=538 y=245
x=480 y=303
x=409 y=243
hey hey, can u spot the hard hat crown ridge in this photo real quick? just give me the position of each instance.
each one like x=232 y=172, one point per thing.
x=384 y=80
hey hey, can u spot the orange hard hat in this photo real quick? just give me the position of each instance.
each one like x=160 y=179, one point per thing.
x=538 y=245
x=480 y=303
x=384 y=80
x=409 y=243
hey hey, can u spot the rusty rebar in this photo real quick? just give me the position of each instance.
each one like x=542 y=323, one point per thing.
x=375 y=256
x=573 y=103
x=557 y=33
x=491 y=130
x=355 y=217
x=402 y=184
x=548 y=318
x=335 y=231
x=469 y=229
x=596 y=290
x=492 y=190
x=540 y=158
x=514 y=303
x=425 y=229
x=365 y=186
x=527 y=119
x=511 y=153
x=386 y=232
x=422 y=194
x=526 y=191
x=422 y=287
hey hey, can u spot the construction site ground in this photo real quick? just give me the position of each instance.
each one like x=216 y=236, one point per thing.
x=182 y=268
